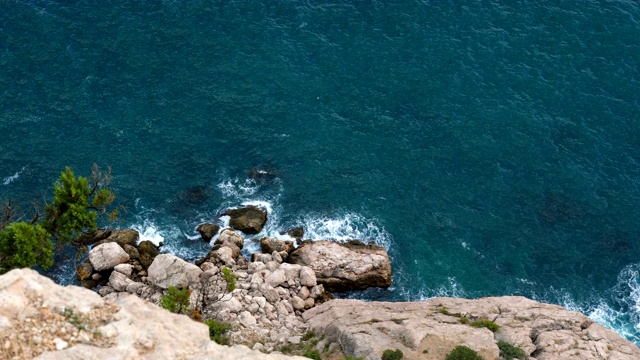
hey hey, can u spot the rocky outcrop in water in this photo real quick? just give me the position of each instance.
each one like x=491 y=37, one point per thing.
x=39 y=319
x=249 y=220
x=431 y=329
x=349 y=266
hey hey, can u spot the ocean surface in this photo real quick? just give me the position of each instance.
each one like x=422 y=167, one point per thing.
x=492 y=147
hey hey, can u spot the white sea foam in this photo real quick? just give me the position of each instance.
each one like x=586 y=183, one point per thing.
x=345 y=227
x=9 y=179
x=149 y=231
x=237 y=189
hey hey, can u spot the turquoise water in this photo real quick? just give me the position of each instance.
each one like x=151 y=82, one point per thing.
x=492 y=148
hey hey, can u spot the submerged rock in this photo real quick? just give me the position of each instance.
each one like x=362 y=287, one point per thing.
x=249 y=220
x=345 y=266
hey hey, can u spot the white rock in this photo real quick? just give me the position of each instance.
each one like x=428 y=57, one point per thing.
x=295 y=340
x=276 y=278
x=261 y=301
x=106 y=256
x=119 y=281
x=246 y=319
x=276 y=257
x=309 y=303
x=307 y=277
x=272 y=266
x=169 y=270
x=304 y=293
x=297 y=303
x=292 y=271
x=125 y=269
x=60 y=344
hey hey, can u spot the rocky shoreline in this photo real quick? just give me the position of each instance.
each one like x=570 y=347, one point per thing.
x=279 y=302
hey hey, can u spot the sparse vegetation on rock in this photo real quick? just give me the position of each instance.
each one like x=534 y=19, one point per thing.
x=462 y=352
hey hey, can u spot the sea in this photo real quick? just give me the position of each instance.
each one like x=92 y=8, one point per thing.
x=492 y=147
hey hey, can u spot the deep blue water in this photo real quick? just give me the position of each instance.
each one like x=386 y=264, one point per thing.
x=493 y=148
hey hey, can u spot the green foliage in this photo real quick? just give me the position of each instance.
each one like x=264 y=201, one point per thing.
x=312 y=354
x=443 y=310
x=463 y=353
x=509 y=352
x=308 y=335
x=24 y=245
x=392 y=355
x=218 y=330
x=230 y=278
x=67 y=216
x=486 y=323
x=349 y=357
x=176 y=300
x=463 y=320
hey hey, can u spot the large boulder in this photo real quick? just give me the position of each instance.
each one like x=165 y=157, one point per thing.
x=122 y=237
x=249 y=220
x=147 y=251
x=431 y=329
x=169 y=270
x=207 y=231
x=106 y=256
x=345 y=266
x=269 y=245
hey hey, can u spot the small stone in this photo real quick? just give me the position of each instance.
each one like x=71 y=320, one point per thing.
x=246 y=319
x=304 y=293
x=295 y=340
x=309 y=303
x=125 y=269
x=276 y=257
x=317 y=291
x=307 y=277
x=60 y=344
x=297 y=303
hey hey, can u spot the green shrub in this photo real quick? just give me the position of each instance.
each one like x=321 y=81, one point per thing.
x=463 y=353
x=312 y=354
x=486 y=324
x=349 y=357
x=176 y=301
x=308 y=335
x=218 y=330
x=25 y=245
x=230 y=278
x=509 y=352
x=463 y=320
x=392 y=355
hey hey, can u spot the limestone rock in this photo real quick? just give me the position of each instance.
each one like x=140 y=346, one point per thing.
x=543 y=331
x=269 y=245
x=207 y=231
x=229 y=236
x=107 y=255
x=345 y=266
x=169 y=270
x=249 y=220
x=276 y=278
x=307 y=277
